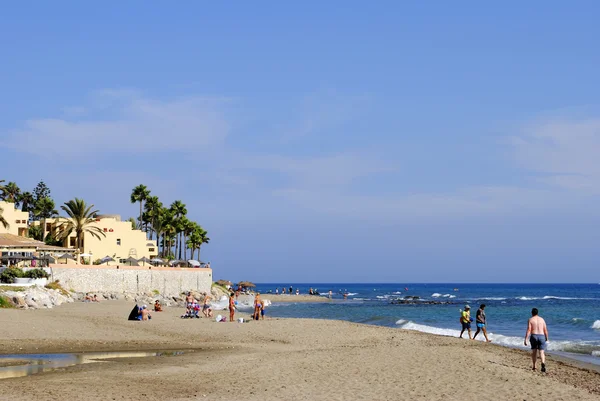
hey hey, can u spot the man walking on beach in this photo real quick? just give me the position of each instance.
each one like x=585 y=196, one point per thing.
x=481 y=322
x=465 y=321
x=537 y=332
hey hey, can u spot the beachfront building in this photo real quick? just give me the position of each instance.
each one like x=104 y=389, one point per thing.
x=18 y=250
x=18 y=221
x=121 y=241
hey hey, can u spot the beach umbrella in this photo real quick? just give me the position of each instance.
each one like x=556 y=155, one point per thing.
x=144 y=260
x=106 y=259
x=194 y=263
x=132 y=261
x=66 y=256
x=85 y=255
x=156 y=261
x=223 y=283
x=246 y=284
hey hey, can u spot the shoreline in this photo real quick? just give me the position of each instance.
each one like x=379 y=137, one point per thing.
x=295 y=357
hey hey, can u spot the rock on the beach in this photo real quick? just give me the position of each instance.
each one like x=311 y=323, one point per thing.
x=19 y=302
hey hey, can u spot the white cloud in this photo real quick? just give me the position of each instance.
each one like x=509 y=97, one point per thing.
x=566 y=150
x=126 y=121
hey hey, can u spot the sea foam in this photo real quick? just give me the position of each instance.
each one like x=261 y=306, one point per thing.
x=596 y=325
x=507 y=341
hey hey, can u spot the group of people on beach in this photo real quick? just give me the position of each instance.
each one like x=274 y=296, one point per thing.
x=192 y=306
x=536 y=334
x=290 y=291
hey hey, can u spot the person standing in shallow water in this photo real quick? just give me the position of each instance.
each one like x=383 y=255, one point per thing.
x=537 y=332
x=481 y=323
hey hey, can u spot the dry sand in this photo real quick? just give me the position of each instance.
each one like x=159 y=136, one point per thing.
x=275 y=359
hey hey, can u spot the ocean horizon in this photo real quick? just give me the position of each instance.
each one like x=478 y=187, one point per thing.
x=570 y=310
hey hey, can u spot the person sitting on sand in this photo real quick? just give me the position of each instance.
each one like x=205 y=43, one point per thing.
x=145 y=313
x=231 y=307
x=480 y=322
x=465 y=321
x=87 y=298
x=95 y=298
x=157 y=306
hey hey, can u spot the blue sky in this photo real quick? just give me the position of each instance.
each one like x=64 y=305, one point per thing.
x=323 y=141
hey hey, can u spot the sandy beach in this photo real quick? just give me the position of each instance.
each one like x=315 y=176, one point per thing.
x=275 y=359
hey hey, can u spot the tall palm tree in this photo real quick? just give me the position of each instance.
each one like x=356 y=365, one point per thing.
x=10 y=192
x=152 y=209
x=203 y=238
x=179 y=211
x=3 y=220
x=194 y=242
x=140 y=194
x=188 y=228
x=27 y=201
x=81 y=216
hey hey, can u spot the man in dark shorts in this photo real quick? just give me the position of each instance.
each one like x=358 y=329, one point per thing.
x=537 y=333
x=465 y=321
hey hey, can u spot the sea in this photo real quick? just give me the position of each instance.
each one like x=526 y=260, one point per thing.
x=571 y=311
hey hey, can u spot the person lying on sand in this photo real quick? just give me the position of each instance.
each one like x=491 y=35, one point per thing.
x=157 y=306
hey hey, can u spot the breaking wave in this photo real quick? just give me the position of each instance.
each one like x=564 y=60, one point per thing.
x=589 y=348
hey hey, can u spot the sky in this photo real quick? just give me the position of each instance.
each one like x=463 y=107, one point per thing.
x=316 y=141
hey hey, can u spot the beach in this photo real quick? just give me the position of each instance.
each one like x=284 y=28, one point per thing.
x=274 y=359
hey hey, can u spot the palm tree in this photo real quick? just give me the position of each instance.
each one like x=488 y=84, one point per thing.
x=152 y=209
x=140 y=194
x=2 y=219
x=179 y=211
x=26 y=200
x=194 y=242
x=81 y=216
x=188 y=228
x=10 y=192
x=197 y=238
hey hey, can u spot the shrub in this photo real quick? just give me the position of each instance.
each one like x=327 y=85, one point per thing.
x=55 y=285
x=5 y=302
x=36 y=273
x=8 y=275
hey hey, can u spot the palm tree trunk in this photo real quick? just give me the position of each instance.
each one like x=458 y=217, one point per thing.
x=140 y=226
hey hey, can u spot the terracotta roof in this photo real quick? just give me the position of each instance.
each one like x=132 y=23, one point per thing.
x=15 y=241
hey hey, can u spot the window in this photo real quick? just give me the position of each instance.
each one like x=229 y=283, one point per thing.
x=72 y=241
x=118 y=241
x=48 y=226
x=150 y=249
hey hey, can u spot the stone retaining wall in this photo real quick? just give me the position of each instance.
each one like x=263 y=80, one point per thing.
x=131 y=279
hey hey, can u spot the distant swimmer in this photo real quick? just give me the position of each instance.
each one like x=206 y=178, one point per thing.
x=537 y=333
x=481 y=322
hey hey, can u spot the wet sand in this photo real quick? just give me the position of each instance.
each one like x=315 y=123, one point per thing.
x=275 y=359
